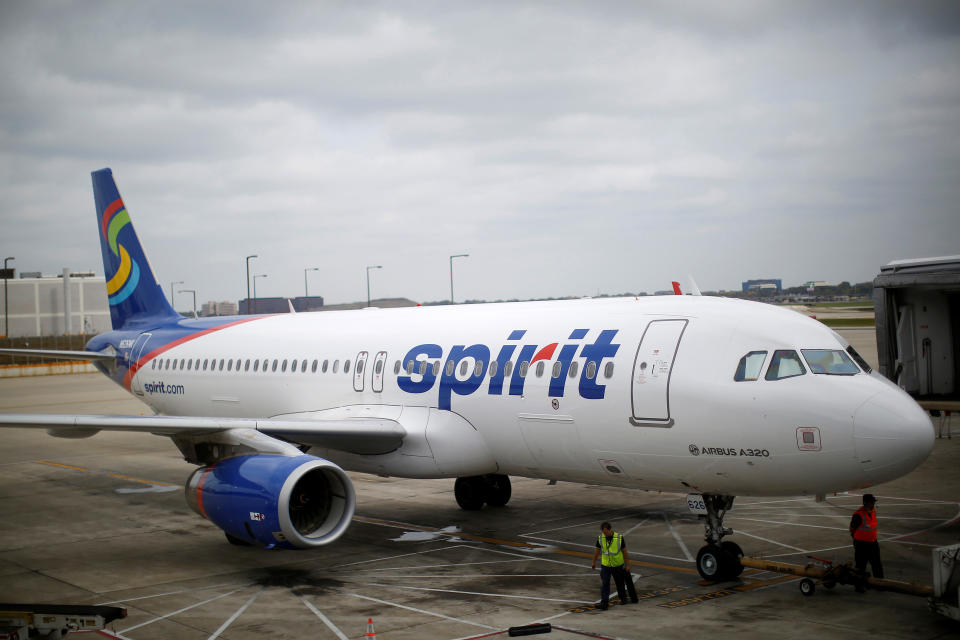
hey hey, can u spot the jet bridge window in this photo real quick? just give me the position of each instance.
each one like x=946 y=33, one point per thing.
x=750 y=366
x=785 y=363
x=829 y=361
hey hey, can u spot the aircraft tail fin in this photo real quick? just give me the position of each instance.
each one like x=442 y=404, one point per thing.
x=132 y=290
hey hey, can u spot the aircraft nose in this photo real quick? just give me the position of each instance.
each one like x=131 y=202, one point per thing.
x=892 y=435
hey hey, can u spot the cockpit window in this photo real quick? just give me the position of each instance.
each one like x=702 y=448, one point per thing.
x=785 y=364
x=830 y=361
x=750 y=366
x=859 y=359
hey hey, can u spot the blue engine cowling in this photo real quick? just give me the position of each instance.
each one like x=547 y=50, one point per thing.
x=275 y=501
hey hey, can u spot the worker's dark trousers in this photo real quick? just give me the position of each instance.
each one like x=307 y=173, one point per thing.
x=622 y=579
x=864 y=552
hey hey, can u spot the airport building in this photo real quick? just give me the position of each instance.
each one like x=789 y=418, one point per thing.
x=768 y=284
x=222 y=308
x=65 y=304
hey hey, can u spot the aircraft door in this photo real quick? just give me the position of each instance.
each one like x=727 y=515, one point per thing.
x=358 y=371
x=135 y=352
x=652 y=368
x=377 y=376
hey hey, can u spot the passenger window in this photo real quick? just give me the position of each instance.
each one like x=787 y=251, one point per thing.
x=573 y=369
x=246 y=365
x=323 y=369
x=205 y=362
x=829 y=361
x=463 y=368
x=196 y=364
x=221 y=364
x=422 y=369
x=436 y=367
x=266 y=363
x=785 y=363
x=478 y=369
x=608 y=370
x=256 y=365
x=230 y=364
x=190 y=365
x=540 y=366
x=336 y=365
x=359 y=367
x=493 y=368
x=591 y=370
x=275 y=364
x=750 y=366
x=378 y=367
x=523 y=368
x=153 y=364
x=507 y=368
x=283 y=367
x=448 y=369
x=183 y=364
x=557 y=370
x=313 y=367
x=346 y=366
x=396 y=368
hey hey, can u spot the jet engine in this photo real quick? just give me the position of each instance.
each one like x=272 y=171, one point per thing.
x=274 y=501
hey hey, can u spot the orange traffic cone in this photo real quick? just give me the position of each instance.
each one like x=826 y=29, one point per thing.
x=371 y=634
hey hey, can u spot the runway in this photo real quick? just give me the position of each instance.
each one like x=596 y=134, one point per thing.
x=103 y=520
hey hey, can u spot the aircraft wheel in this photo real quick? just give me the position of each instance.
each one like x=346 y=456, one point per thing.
x=498 y=489
x=712 y=563
x=807 y=587
x=734 y=552
x=470 y=492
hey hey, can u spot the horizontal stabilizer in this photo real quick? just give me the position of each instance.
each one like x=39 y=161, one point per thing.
x=87 y=356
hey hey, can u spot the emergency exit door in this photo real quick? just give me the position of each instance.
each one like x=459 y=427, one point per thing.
x=652 y=369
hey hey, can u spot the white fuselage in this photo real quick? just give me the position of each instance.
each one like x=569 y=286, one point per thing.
x=636 y=392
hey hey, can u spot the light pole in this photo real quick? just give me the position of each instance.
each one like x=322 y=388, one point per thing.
x=194 y=292
x=171 y=293
x=459 y=255
x=306 y=293
x=368 y=281
x=248 y=282
x=6 y=312
x=259 y=275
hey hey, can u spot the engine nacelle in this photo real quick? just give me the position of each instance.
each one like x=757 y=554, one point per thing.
x=275 y=501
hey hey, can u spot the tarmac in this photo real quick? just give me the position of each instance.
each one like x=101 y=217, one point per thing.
x=103 y=521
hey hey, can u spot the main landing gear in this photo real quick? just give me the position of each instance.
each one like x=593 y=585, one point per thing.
x=475 y=491
x=718 y=561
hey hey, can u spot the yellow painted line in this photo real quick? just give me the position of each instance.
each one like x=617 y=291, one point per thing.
x=108 y=474
x=510 y=543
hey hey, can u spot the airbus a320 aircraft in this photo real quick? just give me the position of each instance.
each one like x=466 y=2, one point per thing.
x=705 y=396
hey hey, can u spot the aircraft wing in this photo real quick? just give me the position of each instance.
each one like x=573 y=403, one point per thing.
x=356 y=435
x=91 y=356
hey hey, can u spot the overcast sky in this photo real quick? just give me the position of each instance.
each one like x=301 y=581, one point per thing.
x=570 y=148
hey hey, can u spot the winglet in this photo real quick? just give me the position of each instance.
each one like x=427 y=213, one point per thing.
x=676 y=289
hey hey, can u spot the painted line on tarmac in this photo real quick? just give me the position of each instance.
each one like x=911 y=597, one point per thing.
x=424 y=611
x=108 y=474
x=509 y=543
x=325 y=620
x=236 y=614
x=475 y=593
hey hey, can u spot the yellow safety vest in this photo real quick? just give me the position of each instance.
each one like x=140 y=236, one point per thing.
x=612 y=554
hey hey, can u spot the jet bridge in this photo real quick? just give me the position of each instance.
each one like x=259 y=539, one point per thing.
x=917 y=307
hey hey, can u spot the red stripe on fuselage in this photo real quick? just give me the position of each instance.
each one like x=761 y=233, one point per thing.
x=156 y=352
x=111 y=209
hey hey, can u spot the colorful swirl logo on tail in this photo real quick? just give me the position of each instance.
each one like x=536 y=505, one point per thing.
x=125 y=280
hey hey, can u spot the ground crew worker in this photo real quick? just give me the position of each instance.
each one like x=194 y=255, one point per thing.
x=615 y=561
x=863 y=529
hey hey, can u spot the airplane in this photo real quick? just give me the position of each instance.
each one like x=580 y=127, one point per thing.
x=700 y=395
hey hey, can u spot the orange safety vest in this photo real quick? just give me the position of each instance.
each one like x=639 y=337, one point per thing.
x=867 y=531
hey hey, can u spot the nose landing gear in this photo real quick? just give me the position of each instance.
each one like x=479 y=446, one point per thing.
x=718 y=560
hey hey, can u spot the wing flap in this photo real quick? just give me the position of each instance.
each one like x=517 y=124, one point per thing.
x=355 y=435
